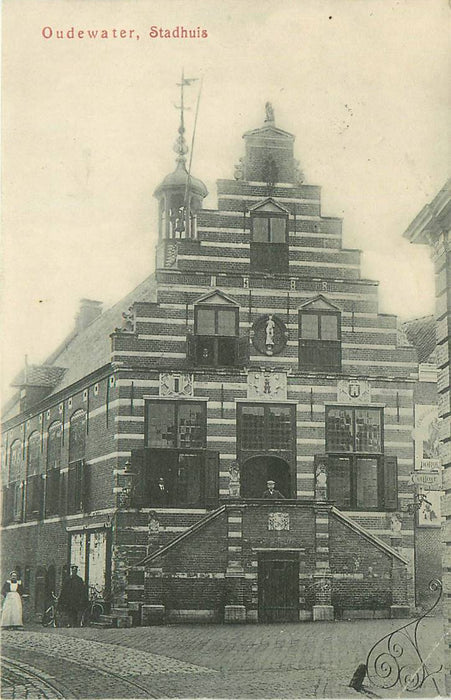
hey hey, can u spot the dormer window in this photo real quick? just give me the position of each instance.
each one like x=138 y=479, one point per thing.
x=216 y=341
x=320 y=336
x=269 y=232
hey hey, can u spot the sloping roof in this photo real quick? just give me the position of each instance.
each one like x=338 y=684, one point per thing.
x=421 y=333
x=91 y=349
x=84 y=352
x=39 y=375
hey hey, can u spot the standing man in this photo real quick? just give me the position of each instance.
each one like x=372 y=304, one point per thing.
x=74 y=597
x=161 y=493
x=271 y=492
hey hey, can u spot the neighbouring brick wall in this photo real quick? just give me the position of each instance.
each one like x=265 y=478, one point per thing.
x=428 y=562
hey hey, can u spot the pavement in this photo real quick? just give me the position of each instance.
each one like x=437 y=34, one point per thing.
x=301 y=660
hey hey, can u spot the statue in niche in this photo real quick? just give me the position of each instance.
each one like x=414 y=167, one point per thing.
x=270 y=326
x=269 y=112
x=395 y=524
x=321 y=482
x=234 y=480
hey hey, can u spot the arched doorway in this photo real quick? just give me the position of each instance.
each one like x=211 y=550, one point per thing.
x=256 y=471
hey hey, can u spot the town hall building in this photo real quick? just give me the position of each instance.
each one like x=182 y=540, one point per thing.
x=142 y=449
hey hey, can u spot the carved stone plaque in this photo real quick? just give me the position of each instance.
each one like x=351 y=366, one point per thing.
x=267 y=385
x=278 y=521
x=353 y=390
x=176 y=384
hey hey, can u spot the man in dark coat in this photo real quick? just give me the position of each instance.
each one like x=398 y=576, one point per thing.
x=74 y=597
x=161 y=495
x=271 y=492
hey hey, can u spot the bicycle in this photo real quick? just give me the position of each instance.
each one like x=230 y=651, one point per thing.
x=50 y=616
x=94 y=609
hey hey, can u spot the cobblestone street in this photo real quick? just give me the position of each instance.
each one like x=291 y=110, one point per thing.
x=264 y=661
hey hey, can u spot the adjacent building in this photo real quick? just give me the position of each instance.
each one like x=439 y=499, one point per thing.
x=142 y=448
x=431 y=227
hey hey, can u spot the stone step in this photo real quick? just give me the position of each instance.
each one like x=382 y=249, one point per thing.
x=102 y=624
x=119 y=612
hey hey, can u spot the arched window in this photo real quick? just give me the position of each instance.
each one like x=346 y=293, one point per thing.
x=54 y=446
x=34 y=493
x=33 y=453
x=13 y=498
x=76 y=481
x=16 y=466
x=52 y=483
x=77 y=436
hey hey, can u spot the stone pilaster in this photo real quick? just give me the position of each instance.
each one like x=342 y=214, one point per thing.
x=234 y=609
x=322 y=610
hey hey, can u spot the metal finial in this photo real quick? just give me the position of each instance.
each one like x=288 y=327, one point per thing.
x=180 y=146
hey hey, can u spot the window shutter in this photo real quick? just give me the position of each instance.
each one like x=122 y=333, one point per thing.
x=71 y=487
x=139 y=488
x=191 y=348
x=6 y=505
x=86 y=487
x=39 y=502
x=63 y=493
x=211 y=479
x=242 y=353
x=390 y=465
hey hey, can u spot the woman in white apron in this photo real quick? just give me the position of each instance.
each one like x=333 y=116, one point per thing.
x=12 y=603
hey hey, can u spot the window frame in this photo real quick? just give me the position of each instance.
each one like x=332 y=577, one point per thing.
x=265 y=449
x=176 y=404
x=216 y=339
x=71 y=442
x=269 y=215
x=353 y=456
x=216 y=308
x=317 y=343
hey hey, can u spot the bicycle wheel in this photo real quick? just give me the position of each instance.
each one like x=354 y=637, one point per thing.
x=48 y=618
x=96 y=612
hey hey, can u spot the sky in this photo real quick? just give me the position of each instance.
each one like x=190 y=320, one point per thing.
x=89 y=125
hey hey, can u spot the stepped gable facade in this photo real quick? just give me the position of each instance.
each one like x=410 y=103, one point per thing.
x=255 y=352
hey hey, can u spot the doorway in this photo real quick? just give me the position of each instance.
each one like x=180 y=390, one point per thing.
x=256 y=471
x=278 y=587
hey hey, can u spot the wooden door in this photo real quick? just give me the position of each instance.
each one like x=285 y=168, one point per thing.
x=278 y=588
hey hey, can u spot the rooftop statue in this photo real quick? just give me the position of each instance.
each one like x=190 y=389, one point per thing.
x=269 y=112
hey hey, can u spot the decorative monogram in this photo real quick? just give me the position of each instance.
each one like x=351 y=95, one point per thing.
x=267 y=385
x=176 y=384
x=278 y=521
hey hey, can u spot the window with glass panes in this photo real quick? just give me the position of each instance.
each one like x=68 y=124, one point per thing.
x=269 y=229
x=52 y=481
x=265 y=427
x=354 y=443
x=320 y=340
x=34 y=484
x=14 y=496
x=77 y=436
x=269 y=244
x=216 y=330
x=176 y=424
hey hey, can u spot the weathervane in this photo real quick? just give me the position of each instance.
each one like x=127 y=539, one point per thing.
x=180 y=145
